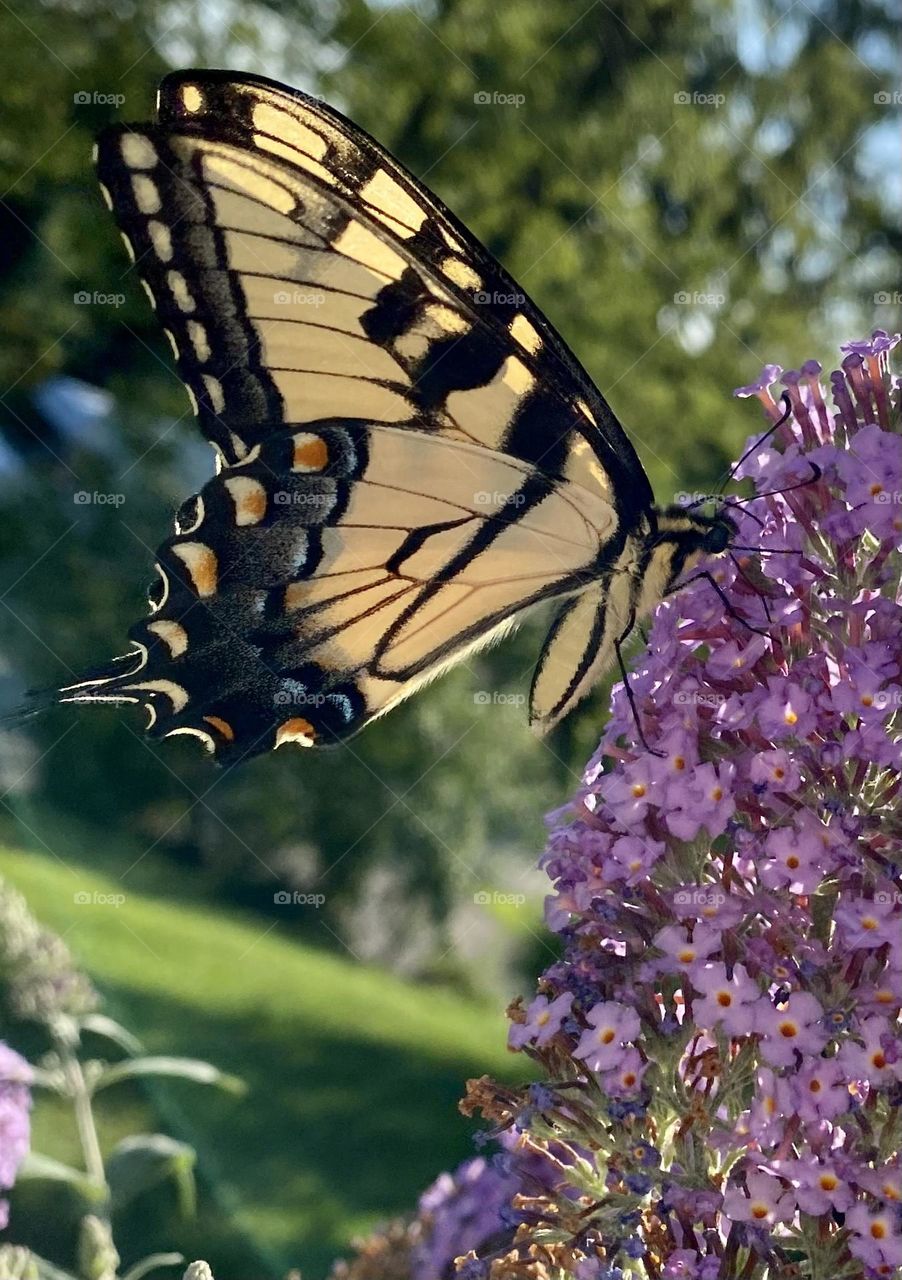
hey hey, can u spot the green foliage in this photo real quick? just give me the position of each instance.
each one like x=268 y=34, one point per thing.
x=341 y=1064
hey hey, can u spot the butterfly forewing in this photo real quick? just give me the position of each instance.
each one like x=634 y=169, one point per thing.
x=411 y=455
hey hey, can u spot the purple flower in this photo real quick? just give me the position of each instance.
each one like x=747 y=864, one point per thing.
x=15 y=1126
x=611 y=1025
x=460 y=1211
x=543 y=1021
x=795 y=1026
x=731 y=1000
x=765 y=1201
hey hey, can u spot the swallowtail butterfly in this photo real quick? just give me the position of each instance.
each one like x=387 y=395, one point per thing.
x=409 y=456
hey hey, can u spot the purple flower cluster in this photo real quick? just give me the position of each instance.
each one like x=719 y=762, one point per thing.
x=723 y=1031
x=460 y=1212
x=15 y=1128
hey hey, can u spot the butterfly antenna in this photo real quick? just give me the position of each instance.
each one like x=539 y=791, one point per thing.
x=761 y=439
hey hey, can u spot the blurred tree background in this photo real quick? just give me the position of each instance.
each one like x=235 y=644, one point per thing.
x=688 y=188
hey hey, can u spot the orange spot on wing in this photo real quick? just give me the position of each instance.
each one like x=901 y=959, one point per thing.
x=296 y=730
x=310 y=453
x=222 y=726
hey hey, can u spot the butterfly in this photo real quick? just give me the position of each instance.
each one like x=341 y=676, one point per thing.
x=409 y=456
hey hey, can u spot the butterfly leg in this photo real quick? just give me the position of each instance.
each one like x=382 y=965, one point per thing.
x=745 y=578
x=631 y=697
x=708 y=577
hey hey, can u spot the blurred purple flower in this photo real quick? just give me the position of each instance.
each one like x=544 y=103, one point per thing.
x=15 y=1126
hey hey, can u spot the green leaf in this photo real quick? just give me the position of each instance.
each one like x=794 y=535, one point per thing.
x=38 y=1167
x=151 y=1263
x=147 y=1159
x=183 y=1068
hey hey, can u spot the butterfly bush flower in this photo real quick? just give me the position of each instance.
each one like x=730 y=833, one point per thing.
x=720 y=1042
x=15 y=1125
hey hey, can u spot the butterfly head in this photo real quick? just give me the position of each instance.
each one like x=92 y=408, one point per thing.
x=679 y=539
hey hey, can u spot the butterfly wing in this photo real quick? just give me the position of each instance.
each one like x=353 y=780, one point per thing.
x=410 y=455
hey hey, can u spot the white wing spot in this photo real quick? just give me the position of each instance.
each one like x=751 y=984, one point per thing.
x=215 y=392
x=138 y=151
x=160 y=239
x=147 y=197
x=179 y=286
x=523 y=332
x=461 y=273
x=192 y=98
x=198 y=335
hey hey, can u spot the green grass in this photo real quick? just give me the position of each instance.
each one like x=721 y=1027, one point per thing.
x=353 y=1075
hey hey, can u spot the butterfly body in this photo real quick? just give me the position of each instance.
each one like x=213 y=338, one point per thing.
x=409 y=456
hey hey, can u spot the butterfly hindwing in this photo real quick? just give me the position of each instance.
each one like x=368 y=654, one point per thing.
x=294 y=588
